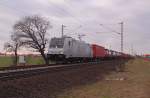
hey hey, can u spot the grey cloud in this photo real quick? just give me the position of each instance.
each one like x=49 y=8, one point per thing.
x=89 y=14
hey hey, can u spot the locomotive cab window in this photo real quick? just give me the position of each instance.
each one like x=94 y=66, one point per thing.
x=57 y=43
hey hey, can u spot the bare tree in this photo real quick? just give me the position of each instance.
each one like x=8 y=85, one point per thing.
x=13 y=46
x=31 y=31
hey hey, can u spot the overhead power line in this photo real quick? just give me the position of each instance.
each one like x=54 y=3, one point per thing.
x=63 y=10
x=22 y=12
x=120 y=33
x=111 y=30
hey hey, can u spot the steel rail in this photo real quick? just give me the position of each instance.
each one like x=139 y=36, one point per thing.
x=26 y=72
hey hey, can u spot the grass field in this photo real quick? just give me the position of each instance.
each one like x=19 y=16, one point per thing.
x=6 y=61
x=133 y=83
x=34 y=60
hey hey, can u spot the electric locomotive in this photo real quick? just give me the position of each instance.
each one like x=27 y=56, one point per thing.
x=69 y=49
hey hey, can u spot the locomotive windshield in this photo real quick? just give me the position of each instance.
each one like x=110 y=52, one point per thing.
x=57 y=43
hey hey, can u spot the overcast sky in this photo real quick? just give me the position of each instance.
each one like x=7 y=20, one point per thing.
x=85 y=17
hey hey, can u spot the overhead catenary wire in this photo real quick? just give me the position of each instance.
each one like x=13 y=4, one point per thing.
x=23 y=12
x=70 y=7
x=109 y=29
x=120 y=33
x=63 y=10
x=72 y=16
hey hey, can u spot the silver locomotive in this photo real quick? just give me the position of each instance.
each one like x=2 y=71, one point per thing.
x=69 y=49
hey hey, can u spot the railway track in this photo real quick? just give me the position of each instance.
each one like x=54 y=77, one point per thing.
x=11 y=74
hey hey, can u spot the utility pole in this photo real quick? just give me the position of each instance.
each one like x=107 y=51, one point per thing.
x=62 y=30
x=132 y=51
x=120 y=33
x=122 y=27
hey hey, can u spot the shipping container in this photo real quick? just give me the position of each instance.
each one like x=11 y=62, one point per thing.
x=98 y=51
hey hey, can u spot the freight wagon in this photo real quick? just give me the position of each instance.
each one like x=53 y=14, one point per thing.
x=99 y=52
x=68 y=49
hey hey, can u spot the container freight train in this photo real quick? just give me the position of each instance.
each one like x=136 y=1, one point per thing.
x=67 y=49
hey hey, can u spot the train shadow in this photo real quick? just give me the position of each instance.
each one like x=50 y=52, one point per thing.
x=51 y=84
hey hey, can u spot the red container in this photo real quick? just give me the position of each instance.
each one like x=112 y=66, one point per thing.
x=98 y=51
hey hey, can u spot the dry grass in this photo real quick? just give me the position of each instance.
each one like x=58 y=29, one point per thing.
x=7 y=61
x=135 y=84
x=95 y=81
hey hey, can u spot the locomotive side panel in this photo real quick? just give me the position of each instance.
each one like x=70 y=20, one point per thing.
x=77 y=49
